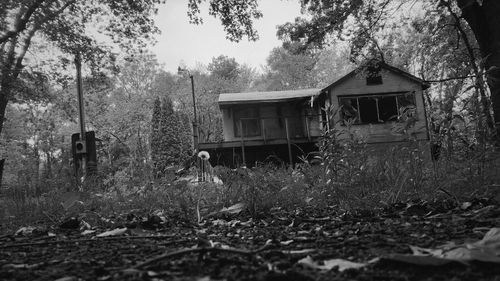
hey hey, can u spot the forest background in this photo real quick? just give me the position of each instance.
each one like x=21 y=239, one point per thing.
x=127 y=93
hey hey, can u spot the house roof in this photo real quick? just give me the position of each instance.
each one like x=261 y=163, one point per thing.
x=384 y=65
x=273 y=96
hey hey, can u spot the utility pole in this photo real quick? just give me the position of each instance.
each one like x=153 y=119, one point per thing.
x=195 y=120
x=78 y=64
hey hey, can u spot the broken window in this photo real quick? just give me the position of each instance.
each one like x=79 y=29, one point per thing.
x=247 y=120
x=349 y=110
x=370 y=109
x=373 y=75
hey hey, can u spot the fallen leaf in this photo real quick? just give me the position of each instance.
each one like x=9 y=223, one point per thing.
x=417 y=251
x=114 y=232
x=491 y=240
x=465 y=254
x=416 y=260
x=465 y=205
x=219 y=222
x=484 y=250
x=341 y=264
x=87 y=232
x=26 y=230
x=67 y=278
x=234 y=209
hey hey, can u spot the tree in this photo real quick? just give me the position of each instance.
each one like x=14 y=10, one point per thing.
x=364 y=19
x=171 y=146
x=361 y=21
x=236 y=16
x=155 y=142
x=224 y=67
x=290 y=70
x=63 y=24
x=482 y=18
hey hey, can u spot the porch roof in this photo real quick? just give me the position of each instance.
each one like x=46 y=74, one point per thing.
x=272 y=96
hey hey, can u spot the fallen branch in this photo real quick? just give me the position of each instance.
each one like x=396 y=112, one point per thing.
x=10 y=236
x=94 y=239
x=201 y=250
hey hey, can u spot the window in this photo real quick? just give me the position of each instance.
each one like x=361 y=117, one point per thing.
x=382 y=108
x=373 y=76
x=349 y=109
x=250 y=121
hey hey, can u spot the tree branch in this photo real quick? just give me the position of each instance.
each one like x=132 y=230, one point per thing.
x=479 y=82
x=449 y=79
x=27 y=43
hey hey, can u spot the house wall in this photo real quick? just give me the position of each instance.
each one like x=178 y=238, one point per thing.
x=381 y=132
x=271 y=125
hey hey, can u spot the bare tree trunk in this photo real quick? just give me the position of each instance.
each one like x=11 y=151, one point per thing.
x=483 y=19
x=2 y=161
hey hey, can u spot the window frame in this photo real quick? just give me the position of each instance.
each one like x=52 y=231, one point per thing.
x=236 y=123
x=358 y=120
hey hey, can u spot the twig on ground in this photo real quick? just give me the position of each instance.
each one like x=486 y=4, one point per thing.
x=202 y=250
x=10 y=236
x=94 y=239
x=323 y=219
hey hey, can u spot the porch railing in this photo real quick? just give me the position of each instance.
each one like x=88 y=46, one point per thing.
x=273 y=128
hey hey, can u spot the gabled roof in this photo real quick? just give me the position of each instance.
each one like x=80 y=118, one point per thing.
x=383 y=65
x=264 y=97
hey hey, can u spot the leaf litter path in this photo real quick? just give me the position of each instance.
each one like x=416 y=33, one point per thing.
x=401 y=242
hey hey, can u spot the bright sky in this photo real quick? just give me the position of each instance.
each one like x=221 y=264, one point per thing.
x=182 y=42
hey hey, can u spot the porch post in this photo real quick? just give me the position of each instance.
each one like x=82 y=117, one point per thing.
x=290 y=159
x=307 y=128
x=242 y=144
x=263 y=124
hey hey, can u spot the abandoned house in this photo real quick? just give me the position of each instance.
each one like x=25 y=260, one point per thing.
x=380 y=103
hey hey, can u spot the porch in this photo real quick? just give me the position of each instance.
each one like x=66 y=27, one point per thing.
x=273 y=139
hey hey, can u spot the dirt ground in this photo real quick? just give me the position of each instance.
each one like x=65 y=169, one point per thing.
x=308 y=244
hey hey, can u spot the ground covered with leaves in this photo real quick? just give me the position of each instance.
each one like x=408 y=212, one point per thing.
x=442 y=240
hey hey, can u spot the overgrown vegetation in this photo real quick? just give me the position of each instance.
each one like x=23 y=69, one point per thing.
x=352 y=175
x=137 y=164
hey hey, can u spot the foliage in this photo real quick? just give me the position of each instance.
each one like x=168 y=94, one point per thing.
x=170 y=148
x=224 y=75
x=63 y=24
x=156 y=133
x=236 y=16
x=28 y=27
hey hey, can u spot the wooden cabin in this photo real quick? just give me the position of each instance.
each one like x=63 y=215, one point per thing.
x=380 y=103
x=258 y=126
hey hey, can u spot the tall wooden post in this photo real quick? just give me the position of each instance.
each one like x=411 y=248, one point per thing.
x=81 y=108
x=307 y=128
x=242 y=143
x=290 y=159
x=195 y=121
x=263 y=129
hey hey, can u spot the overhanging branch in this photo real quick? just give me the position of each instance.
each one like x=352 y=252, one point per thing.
x=450 y=79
